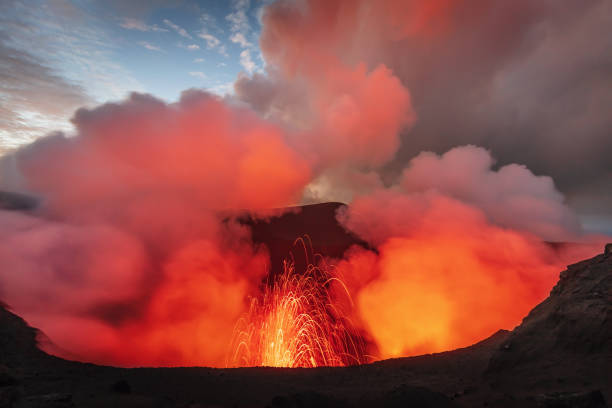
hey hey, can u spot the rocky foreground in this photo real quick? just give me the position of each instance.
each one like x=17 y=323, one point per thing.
x=560 y=356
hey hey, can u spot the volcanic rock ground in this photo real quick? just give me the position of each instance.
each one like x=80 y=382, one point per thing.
x=560 y=356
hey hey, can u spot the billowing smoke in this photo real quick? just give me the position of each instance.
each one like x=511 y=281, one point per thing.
x=129 y=249
x=531 y=81
x=132 y=257
x=460 y=251
x=511 y=197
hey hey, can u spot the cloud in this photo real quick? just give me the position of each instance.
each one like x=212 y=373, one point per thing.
x=186 y=275
x=149 y=46
x=211 y=41
x=452 y=234
x=181 y=31
x=35 y=96
x=352 y=116
x=222 y=89
x=453 y=239
x=74 y=55
x=353 y=113
x=238 y=19
x=210 y=23
x=134 y=8
x=193 y=47
x=42 y=86
x=134 y=24
x=198 y=60
x=239 y=38
x=510 y=197
x=198 y=74
x=246 y=61
x=526 y=84
x=223 y=51
x=420 y=291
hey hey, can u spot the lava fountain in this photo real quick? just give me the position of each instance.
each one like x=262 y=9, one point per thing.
x=297 y=322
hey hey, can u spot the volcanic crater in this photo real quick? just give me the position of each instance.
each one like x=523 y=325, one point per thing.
x=559 y=356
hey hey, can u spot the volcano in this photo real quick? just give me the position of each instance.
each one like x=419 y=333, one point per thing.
x=559 y=356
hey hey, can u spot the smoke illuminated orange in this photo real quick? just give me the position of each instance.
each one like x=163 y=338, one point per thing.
x=137 y=254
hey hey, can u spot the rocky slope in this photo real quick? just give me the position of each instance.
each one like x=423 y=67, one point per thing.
x=565 y=343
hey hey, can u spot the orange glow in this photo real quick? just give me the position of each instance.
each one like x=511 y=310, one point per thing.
x=443 y=277
x=425 y=301
x=296 y=323
x=137 y=255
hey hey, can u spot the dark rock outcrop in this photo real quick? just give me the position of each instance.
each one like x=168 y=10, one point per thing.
x=18 y=341
x=576 y=318
x=565 y=342
x=592 y=399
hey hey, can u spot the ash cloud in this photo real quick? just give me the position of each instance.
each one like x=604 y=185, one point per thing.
x=133 y=206
x=455 y=239
x=456 y=234
x=529 y=81
x=130 y=219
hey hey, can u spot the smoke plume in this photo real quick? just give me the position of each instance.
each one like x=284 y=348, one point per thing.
x=129 y=248
x=133 y=257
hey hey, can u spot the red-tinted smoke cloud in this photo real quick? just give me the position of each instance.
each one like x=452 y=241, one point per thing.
x=460 y=251
x=127 y=261
x=130 y=260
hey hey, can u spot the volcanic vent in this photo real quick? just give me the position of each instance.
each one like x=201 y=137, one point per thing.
x=560 y=356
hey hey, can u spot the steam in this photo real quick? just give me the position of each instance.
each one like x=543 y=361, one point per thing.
x=455 y=239
x=131 y=258
x=511 y=197
x=129 y=246
x=443 y=276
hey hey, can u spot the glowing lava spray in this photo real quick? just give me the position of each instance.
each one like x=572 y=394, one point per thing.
x=297 y=323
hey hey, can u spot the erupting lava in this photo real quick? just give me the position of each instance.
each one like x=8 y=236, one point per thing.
x=297 y=323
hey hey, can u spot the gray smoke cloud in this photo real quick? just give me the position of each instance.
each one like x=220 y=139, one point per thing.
x=530 y=81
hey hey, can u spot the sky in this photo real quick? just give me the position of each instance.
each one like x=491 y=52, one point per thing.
x=83 y=53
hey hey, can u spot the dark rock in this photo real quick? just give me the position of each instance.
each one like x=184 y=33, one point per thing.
x=121 y=387
x=7 y=377
x=9 y=396
x=576 y=318
x=308 y=399
x=566 y=339
x=55 y=400
x=18 y=341
x=407 y=396
x=591 y=399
